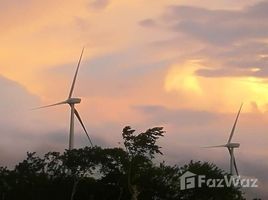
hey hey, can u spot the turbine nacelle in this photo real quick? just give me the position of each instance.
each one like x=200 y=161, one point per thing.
x=233 y=145
x=73 y=101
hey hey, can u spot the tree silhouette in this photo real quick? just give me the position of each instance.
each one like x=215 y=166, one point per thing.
x=109 y=173
x=141 y=149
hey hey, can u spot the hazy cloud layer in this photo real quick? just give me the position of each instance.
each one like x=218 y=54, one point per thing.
x=232 y=42
x=219 y=27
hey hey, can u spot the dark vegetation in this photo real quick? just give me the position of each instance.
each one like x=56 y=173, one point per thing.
x=109 y=173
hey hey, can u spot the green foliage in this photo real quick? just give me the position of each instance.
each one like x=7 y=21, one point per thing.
x=108 y=173
x=143 y=143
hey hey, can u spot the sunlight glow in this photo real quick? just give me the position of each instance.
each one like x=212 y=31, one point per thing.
x=182 y=78
x=220 y=94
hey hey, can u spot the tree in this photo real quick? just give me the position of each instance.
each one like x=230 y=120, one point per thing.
x=141 y=149
x=211 y=171
x=109 y=173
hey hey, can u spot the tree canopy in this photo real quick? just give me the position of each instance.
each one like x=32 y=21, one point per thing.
x=109 y=173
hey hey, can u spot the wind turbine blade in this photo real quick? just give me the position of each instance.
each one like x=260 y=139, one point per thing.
x=63 y=102
x=235 y=166
x=233 y=129
x=215 y=146
x=81 y=122
x=229 y=151
x=75 y=76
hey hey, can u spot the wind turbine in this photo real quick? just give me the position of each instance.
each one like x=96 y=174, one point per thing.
x=231 y=146
x=72 y=101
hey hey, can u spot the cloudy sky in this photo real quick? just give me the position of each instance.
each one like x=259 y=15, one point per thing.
x=185 y=65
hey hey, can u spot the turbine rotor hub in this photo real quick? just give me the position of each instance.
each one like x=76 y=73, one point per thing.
x=73 y=100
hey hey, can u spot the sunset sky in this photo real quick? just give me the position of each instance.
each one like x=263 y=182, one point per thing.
x=184 y=65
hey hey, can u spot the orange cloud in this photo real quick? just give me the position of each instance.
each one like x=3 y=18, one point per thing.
x=215 y=93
